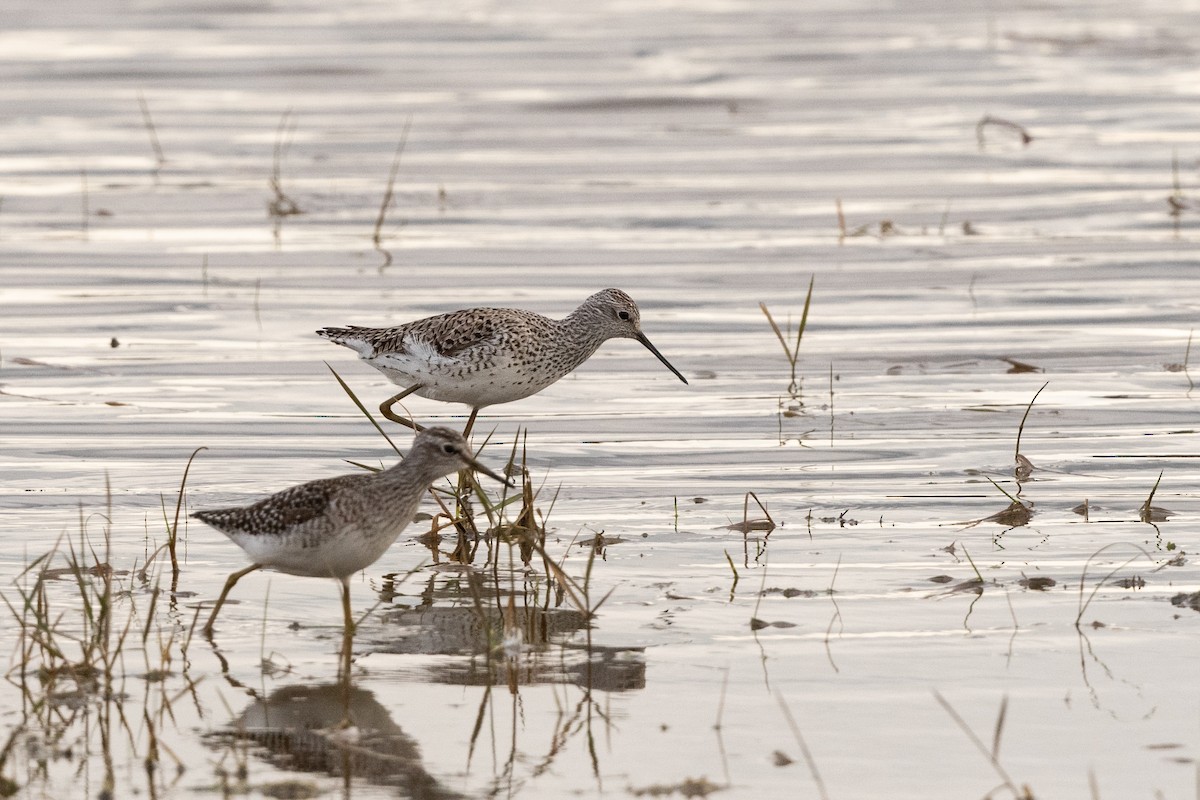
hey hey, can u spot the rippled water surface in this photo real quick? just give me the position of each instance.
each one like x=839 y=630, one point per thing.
x=902 y=632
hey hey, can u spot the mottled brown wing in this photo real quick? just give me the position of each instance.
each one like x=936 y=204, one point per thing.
x=451 y=334
x=279 y=512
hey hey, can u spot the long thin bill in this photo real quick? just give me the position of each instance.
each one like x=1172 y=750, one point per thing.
x=475 y=465
x=641 y=337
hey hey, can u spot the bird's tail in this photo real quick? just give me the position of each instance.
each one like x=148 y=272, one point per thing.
x=217 y=518
x=353 y=337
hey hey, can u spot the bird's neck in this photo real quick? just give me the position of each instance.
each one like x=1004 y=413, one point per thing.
x=579 y=335
x=414 y=468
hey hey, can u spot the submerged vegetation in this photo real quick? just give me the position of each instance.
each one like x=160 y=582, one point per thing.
x=101 y=658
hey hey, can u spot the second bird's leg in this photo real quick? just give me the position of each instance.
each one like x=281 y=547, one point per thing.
x=464 y=517
x=470 y=423
x=347 y=633
x=233 y=579
x=385 y=408
x=463 y=551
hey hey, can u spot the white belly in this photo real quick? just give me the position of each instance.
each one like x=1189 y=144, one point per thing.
x=452 y=380
x=321 y=553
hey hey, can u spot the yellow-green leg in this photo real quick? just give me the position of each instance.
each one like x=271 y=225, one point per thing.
x=385 y=408
x=347 y=632
x=229 y=583
x=470 y=423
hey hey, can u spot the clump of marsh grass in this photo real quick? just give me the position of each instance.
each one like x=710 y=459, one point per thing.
x=528 y=526
x=516 y=588
x=1018 y=513
x=511 y=629
x=791 y=351
x=79 y=624
x=457 y=506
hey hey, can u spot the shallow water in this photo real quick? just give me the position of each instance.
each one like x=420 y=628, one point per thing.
x=692 y=154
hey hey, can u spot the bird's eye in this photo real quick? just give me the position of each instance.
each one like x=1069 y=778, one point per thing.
x=448 y=449
x=623 y=315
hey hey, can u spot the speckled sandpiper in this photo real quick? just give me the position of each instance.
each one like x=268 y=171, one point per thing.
x=334 y=527
x=485 y=356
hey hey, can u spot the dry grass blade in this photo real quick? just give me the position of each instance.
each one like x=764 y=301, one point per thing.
x=173 y=527
x=1146 y=512
x=1021 y=427
x=463 y=517
x=159 y=158
x=281 y=205
x=1083 y=576
x=492 y=510
x=808 y=756
x=746 y=508
x=747 y=525
x=574 y=593
x=990 y=756
x=837 y=615
x=999 y=731
x=363 y=409
x=787 y=349
x=971 y=561
x=389 y=194
x=1014 y=500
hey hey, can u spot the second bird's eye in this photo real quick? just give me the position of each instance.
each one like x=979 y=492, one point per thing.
x=623 y=315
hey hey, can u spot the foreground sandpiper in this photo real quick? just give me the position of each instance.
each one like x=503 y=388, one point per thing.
x=485 y=356
x=334 y=527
